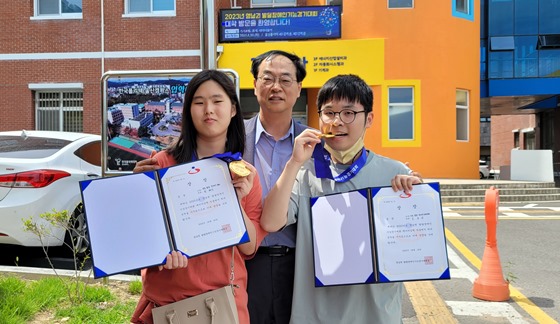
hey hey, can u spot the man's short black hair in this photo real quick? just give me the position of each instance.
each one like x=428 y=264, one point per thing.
x=300 y=67
x=346 y=87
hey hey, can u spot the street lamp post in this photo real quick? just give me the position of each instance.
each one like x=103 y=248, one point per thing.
x=207 y=35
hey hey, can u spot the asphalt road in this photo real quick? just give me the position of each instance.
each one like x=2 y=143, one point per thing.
x=527 y=247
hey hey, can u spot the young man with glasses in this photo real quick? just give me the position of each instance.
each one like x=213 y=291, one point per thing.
x=342 y=164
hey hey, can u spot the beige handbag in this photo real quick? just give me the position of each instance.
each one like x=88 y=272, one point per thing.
x=212 y=307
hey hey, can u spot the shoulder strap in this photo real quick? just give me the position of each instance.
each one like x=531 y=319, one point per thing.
x=231 y=272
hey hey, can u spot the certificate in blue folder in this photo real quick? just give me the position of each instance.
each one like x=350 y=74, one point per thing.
x=376 y=235
x=135 y=220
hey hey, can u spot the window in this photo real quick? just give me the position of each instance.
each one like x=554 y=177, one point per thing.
x=58 y=9
x=150 y=7
x=516 y=139
x=500 y=15
x=391 y=4
x=548 y=42
x=91 y=153
x=500 y=64
x=485 y=131
x=548 y=16
x=502 y=43
x=529 y=138
x=401 y=122
x=526 y=17
x=462 y=111
x=526 y=59
x=21 y=147
x=463 y=9
x=483 y=7
x=462 y=6
x=59 y=111
x=549 y=63
x=333 y=2
x=273 y=3
x=401 y=113
x=483 y=59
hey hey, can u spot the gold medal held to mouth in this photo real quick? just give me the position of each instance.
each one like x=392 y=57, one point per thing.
x=239 y=168
x=327 y=132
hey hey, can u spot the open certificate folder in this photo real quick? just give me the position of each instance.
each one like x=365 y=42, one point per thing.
x=376 y=235
x=135 y=220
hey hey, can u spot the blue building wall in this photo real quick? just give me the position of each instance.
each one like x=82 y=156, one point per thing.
x=520 y=59
x=510 y=47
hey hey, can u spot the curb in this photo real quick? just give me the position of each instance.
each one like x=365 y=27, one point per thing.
x=34 y=273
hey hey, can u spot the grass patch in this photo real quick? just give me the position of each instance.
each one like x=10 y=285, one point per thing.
x=135 y=287
x=46 y=301
x=21 y=300
x=101 y=313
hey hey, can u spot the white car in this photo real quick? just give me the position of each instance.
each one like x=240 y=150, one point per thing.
x=483 y=169
x=40 y=171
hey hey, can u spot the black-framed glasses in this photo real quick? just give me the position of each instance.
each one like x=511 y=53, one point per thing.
x=346 y=116
x=268 y=80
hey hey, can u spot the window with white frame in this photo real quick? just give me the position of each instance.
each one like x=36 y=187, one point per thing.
x=462 y=114
x=150 y=7
x=392 y=4
x=59 y=110
x=273 y=3
x=58 y=8
x=401 y=113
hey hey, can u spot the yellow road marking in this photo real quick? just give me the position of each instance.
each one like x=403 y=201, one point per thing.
x=427 y=303
x=538 y=314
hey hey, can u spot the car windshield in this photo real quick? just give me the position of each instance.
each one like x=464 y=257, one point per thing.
x=29 y=148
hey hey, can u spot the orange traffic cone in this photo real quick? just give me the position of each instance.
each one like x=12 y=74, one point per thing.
x=490 y=284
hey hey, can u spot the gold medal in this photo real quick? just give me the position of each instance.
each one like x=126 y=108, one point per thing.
x=327 y=132
x=239 y=168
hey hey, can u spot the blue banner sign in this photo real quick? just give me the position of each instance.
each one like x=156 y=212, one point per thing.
x=285 y=23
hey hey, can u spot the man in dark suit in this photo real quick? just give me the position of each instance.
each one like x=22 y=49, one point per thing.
x=269 y=143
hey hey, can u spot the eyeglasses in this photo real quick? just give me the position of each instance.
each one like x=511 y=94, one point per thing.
x=267 y=80
x=346 y=116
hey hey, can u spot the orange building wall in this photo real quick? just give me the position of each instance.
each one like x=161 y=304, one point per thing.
x=428 y=44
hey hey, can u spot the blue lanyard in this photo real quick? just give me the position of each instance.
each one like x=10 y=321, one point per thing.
x=322 y=162
x=227 y=156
